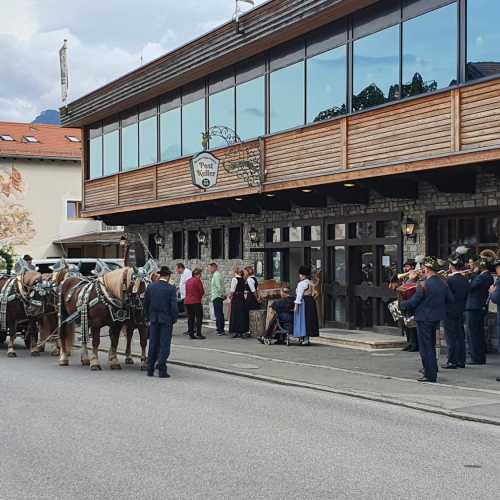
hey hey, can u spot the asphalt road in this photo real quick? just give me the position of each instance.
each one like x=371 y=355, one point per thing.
x=71 y=433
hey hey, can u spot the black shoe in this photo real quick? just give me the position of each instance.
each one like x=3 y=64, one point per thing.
x=260 y=339
x=185 y=333
x=164 y=375
x=192 y=337
x=498 y=379
x=235 y=335
x=220 y=334
x=460 y=366
x=425 y=379
x=150 y=373
x=449 y=366
x=201 y=337
x=406 y=348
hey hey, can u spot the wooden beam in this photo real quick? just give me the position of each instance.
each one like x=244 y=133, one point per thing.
x=343 y=139
x=455 y=120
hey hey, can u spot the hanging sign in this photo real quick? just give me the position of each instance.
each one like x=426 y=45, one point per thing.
x=204 y=170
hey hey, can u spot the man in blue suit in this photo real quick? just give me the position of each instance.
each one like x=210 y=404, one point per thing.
x=476 y=311
x=429 y=303
x=495 y=298
x=160 y=311
x=454 y=323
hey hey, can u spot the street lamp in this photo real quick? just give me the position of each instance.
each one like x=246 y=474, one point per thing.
x=123 y=241
x=159 y=240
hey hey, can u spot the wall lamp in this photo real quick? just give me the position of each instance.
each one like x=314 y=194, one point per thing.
x=123 y=241
x=253 y=235
x=202 y=238
x=409 y=228
x=159 y=240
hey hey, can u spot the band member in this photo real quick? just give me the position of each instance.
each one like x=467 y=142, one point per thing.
x=454 y=323
x=409 y=331
x=495 y=298
x=429 y=303
x=160 y=311
x=476 y=309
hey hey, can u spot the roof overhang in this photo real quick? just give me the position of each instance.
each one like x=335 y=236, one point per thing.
x=101 y=238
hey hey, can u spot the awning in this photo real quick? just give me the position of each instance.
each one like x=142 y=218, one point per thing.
x=103 y=238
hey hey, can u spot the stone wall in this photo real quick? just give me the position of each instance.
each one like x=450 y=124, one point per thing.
x=429 y=199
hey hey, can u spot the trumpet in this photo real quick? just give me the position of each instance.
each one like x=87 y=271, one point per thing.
x=403 y=276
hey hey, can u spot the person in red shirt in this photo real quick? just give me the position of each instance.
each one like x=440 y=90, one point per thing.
x=194 y=296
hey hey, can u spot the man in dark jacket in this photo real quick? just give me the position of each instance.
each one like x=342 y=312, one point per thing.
x=454 y=324
x=495 y=298
x=476 y=310
x=160 y=311
x=429 y=303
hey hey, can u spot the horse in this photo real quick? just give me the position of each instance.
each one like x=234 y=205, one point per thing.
x=97 y=303
x=22 y=304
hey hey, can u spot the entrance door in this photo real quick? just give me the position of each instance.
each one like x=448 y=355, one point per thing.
x=361 y=258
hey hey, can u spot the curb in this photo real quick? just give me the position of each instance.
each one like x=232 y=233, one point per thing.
x=322 y=388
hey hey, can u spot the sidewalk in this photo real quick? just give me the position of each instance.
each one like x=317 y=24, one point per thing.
x=387 y=376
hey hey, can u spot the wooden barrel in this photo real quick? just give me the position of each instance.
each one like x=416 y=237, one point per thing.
x=257 y=322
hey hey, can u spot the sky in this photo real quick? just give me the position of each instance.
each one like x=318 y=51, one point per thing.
x=106 y=39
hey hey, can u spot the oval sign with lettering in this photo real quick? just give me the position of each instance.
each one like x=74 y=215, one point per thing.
x=205 y=170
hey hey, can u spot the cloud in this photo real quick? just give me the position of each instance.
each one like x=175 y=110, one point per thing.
x=106 y=39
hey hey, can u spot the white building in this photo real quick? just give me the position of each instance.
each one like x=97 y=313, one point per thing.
x=41 y=192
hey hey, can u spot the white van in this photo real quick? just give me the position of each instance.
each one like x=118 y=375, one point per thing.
x=86 y=265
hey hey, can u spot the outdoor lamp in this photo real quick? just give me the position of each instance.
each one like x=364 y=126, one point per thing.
x=253 y=235
x=202 y=238
x=409 y=228
x=159 y=240
x=123 y=241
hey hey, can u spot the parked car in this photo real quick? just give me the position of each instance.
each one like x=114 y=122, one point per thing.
x=86 y=265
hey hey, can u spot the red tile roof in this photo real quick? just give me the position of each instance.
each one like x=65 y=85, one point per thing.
x=52 y=141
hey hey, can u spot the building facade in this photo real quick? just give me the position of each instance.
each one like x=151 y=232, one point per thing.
x=348 y=135
x=41 y=191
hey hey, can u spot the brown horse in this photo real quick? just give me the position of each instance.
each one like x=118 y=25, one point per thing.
x=24 y=305
x=99 y=303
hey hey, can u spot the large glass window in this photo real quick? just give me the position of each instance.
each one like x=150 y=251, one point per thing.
x=148 y=137
x=111 y=148
x=170 y=129
x=376 y=69
x=483 y=38
x=430 y=51
x=221 y=112
x=251 y=108
x=193 y=126
x=130 y=142
x=287 y=97
x=95 y=152
x=326 y=85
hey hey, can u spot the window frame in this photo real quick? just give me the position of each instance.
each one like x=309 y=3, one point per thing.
x=231 y=255
x=197 y=254
x=181 y=255
x=77 y=208
x=221 y=243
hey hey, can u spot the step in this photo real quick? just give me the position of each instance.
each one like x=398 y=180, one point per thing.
x=356 y=339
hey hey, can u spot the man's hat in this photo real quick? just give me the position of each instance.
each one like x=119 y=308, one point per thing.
x=496 y=263
x=456 y=260
x=432 y=263
x=165 y=271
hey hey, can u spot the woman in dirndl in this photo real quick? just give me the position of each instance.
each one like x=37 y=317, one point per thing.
x=238 y=318
x=305 y=318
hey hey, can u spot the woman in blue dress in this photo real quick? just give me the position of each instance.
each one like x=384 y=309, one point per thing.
x=305 y=319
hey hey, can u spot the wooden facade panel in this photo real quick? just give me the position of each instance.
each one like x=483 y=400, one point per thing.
x=480 y=116
x=137 y=186
x=311 y=151
x=419 y=128
x=100 y=193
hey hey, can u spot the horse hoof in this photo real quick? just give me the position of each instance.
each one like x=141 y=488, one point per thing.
x=64 y=362
x=96 y=368
x=11 y=354
x=55 y=352
x=129 y=361
x=116 y=367
x=85 y=362
x=35 y=354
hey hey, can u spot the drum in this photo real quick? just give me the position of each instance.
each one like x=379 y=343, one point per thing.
x=407 y=291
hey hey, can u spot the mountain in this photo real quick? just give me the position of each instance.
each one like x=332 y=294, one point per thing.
x=48 y=117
